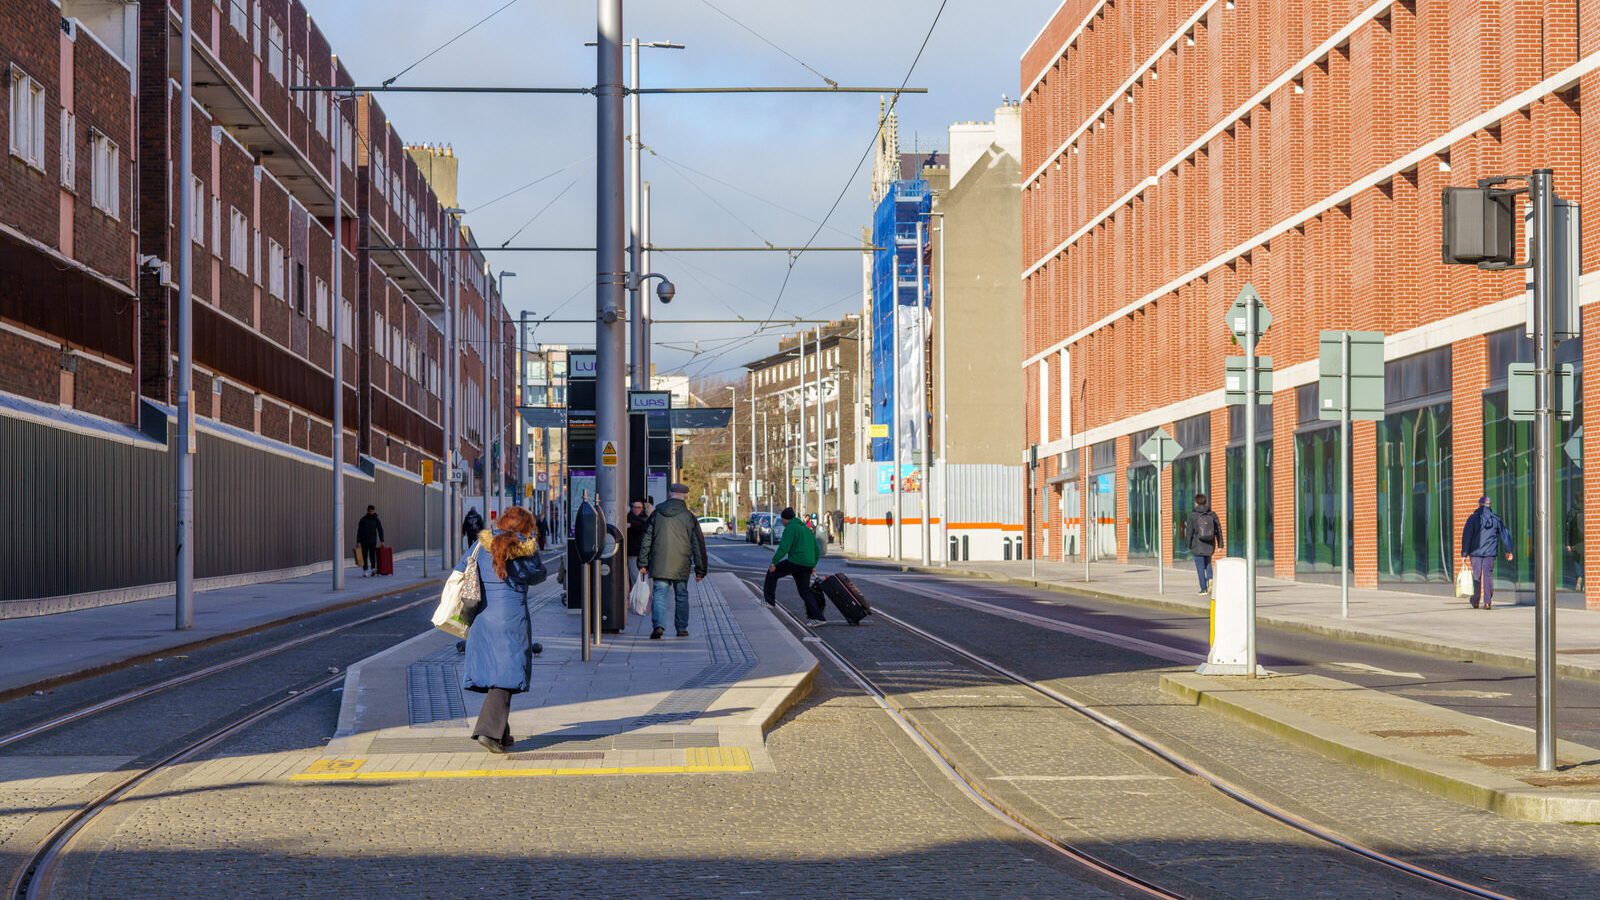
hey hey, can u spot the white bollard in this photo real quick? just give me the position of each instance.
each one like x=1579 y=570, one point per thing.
x=1228 y=654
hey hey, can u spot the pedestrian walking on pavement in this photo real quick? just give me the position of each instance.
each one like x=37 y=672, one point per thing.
x=796 y=557
x=1484 y=537
x=671 y=548
x=471 y=524
x=500 y=646
x=369 y=534
x=638 y=520
x=1203 y=530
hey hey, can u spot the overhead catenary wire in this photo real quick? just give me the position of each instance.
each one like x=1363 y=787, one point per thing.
x=733 y=187
x=392 y=79
x=517 y=190
x=541 y=212
x=768 y=41
x=893 y=100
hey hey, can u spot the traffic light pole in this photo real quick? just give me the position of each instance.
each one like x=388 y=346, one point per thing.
x=1541 y=195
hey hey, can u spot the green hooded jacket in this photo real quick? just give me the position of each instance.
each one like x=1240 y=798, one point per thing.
x=798 y=545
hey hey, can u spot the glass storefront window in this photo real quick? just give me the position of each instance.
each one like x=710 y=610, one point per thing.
x=1316 y=469
x=1416 y=542
x=1190 y=475
x=1103 y=501
x=1235 y=501
x=1144 y=492
x=1508 y=481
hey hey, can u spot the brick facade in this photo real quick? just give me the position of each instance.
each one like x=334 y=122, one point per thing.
x=1174 y=150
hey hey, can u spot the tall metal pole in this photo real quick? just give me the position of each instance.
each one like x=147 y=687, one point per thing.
x=944 y=421
x=640 y=368
x=611 y=337
x=485 y=427
x=184 y=480
x=645 y=311
x=894 y=428
x=1251 y=335
x=733 y=454
x=1161 y=520
x=768 y=493
x=788 y=463
x=925 y=464
x=1542 y=196
x=523 y=431
x=800 y=406
x=822 y=436
x=1344 y=478
x=336 y=311
x=753 y=476
x=452 y=412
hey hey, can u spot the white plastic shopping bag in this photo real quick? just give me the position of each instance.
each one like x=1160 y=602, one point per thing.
x=459 y=601
x=1464 y=582
x=639 y=598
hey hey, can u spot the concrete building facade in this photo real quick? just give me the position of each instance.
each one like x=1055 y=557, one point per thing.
x=1175 y=150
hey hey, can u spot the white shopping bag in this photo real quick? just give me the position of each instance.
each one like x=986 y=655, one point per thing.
x=639 y=598
x=1464 y=582
x=459 y=601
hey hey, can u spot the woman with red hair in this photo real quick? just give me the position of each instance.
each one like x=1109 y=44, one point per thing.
x=499 y=659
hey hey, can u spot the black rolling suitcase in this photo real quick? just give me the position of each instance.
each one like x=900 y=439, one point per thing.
x=846 y=596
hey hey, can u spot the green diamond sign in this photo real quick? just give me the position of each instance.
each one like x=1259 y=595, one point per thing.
x=1160 y=449
x=1238 y=317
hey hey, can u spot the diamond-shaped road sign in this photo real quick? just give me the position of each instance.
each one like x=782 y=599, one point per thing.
x=1160 y=449
x=1238 y=318
x=1574 y=446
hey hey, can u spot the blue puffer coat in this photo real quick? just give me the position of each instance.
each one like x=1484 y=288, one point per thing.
x=500 y=642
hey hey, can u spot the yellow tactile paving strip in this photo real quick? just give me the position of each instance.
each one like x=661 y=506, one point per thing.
x=696 y=761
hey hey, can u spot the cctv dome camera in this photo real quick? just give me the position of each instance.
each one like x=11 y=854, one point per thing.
x=665 y=291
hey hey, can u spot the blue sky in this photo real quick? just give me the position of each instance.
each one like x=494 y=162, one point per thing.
x=793 y=152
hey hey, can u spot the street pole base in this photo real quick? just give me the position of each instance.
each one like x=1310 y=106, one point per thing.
x=1211 y=668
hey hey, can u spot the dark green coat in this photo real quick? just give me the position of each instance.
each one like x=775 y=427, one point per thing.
x=673 y=545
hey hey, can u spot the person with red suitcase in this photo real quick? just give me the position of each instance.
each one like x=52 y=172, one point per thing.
x=369 y=534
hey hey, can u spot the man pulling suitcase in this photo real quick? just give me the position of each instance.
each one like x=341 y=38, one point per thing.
x=796 y=557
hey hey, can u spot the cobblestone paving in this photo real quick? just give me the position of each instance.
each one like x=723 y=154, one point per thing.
x=853 y=811
x=1525 y=859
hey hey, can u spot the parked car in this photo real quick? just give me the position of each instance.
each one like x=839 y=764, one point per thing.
x=763 y=528
x=713 y=525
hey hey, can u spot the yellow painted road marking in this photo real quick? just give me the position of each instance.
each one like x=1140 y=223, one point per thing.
x=697 y=761
x=341 y=766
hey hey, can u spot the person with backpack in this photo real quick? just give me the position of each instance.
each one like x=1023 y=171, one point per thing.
x=797 y=557
x=1484 y=537
x=1203 y=530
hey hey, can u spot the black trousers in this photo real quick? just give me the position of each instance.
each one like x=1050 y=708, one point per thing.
x=494 y=718
x=802 y=583
x=369 y=557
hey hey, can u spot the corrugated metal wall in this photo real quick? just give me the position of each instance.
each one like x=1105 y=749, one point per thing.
x=978 y=493
x=85 y=513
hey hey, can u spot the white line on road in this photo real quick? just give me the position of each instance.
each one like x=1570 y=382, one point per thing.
x=1160 y=651
x=1372 y=670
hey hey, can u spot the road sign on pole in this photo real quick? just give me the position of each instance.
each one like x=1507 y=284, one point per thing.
x=1351 y=387
x=1234 y=384
x=1161 y=450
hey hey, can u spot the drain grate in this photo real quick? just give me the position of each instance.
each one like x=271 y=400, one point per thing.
x=570 y=756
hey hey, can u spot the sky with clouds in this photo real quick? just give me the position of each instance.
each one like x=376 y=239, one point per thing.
x=729 y=170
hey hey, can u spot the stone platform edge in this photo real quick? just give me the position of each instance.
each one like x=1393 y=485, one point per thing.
x=1462 y=782
x=784 y=673
x=1375 y=638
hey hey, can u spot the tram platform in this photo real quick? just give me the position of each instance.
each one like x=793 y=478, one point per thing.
x=698 y=704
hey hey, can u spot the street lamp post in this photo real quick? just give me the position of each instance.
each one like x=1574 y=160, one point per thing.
x=452 y=408
x=944 y=436
x=640 y=335
x=499 y=344
x=184 y=459
x=733 y=455
x=336 y=316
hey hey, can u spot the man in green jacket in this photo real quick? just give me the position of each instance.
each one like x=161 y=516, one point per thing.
x=796 y=556
x=672 y=548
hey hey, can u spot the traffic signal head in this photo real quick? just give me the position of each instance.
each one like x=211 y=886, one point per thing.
x=1479 y=226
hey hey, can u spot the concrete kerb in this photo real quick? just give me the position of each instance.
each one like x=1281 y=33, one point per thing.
x=54 y=681
x=785 y=670
x=1375 y=638
x=1461 y=781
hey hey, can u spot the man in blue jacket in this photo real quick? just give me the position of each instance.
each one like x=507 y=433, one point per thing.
x=1484 y=537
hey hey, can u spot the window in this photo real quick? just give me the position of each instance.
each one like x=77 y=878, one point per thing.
x=106 y=177
x=238 y=17
x=321 y=102
x=300 y=78
x=197 y=213
x=349 y=325
x=394 y=346
x=275 y=51
x=274 y=268
x=347 y=141
x=322 y=303
x=238 y=241
x=255 y=33
x=300 y=288
x=69 y=150
x=380 y=332
x=216 y=225
x=27 y=119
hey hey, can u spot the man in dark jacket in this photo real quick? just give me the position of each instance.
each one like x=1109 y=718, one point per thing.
x=671 y=548
x=1203 y=530
x=638 y=520
x=369 y=534
x=471 y=525
x=1484 y=537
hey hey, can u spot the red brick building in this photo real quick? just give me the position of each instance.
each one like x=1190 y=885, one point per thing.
x=1174 y=150
x=88 y=234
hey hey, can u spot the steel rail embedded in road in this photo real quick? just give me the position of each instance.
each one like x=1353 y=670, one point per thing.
x=1220 y=784
x=972 y=788
x=35 y=877
x=190 y=677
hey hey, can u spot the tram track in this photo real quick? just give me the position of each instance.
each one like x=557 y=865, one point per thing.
x=975 y=788
x=34 y=877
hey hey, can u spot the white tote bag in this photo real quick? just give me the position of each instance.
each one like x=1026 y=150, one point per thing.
x=460 y=599
x=639 y=597
x=1464 y=582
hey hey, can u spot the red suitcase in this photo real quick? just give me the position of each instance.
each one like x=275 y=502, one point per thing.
x=845 y=596
x=385 y=560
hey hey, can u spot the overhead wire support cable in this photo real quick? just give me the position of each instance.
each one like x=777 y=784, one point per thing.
x=768 y=41
x=392 y=79
x=513 y=89
x=541 y=212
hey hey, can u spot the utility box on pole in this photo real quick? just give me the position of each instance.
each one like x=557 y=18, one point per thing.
x=1480 y=226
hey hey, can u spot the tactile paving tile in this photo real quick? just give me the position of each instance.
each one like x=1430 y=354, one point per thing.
x=731 y=657
x=433 y=683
